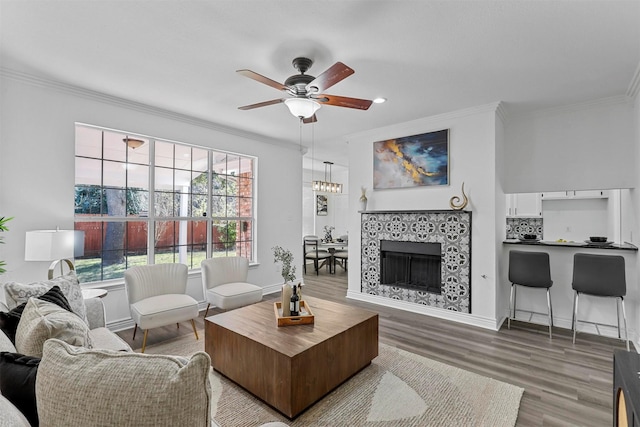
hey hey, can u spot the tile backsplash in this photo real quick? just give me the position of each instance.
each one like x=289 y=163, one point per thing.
x=517 y=227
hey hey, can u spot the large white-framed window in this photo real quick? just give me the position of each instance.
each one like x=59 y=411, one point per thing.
x=143 y=200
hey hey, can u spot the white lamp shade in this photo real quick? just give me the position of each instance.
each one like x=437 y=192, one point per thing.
x=302 y=107
x=51 y=245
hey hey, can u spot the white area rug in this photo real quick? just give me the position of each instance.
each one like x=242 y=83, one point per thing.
x=398 y=389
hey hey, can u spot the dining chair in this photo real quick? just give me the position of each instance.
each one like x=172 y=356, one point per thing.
x=342 y=255
x=312 y=251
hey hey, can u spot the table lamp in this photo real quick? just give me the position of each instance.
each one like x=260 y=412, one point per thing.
x=54 y=245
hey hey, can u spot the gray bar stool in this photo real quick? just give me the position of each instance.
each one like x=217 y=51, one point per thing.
x=529 y=269
x=600 y=276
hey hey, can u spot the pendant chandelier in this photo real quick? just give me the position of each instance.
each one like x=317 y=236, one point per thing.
x=327 y=186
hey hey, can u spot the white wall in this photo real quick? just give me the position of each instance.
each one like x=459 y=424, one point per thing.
x=581 y=147
x=472 y=154
x=37 y=173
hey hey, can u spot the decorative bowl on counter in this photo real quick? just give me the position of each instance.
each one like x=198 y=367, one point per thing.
x=598 y=239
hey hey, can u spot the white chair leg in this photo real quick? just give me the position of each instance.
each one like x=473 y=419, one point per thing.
x=575 y=316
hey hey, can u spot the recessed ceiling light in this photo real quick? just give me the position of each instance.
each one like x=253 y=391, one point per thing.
x=379 y=100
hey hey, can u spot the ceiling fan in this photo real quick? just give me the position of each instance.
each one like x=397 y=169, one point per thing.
x=306 y=90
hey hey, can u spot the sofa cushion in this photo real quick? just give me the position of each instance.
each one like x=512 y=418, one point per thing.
x=42 y=320
x=6 y=344
x=9 y=321
x=18 y=383
x=104 y=339
x=17 y=293
x=10 y=415
x=120 y=388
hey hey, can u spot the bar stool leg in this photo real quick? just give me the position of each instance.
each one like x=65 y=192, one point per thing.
x=512 y=305
x=549 y=312
x=618 y=316
x=575 y=316
x=624 y=316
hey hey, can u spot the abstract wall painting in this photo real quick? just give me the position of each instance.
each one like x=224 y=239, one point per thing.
x=321 y=205
x=412 y=161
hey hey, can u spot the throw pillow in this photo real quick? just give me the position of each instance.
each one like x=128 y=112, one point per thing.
x=116 y=388
x=18 y=383
x=10 y=415
x=17 y=293
x=9 y=321
x=42 y=320
x=6 y=344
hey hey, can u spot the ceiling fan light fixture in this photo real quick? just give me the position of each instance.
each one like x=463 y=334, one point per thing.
x=302 y=107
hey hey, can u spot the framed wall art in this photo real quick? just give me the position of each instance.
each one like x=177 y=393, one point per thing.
x=321 y=205
x=412 y=161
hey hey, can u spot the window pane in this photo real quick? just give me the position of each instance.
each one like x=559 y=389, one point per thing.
x=115 y=201
x=164 y=179
x=110 y=248
x=88 y=171
x=218 y=185
x=232 y=186
x=139 y=155
x=137 y=176
x=233 y=165
x=88 y=200
x=182 y=157
x=219 y=165
x=114 y=175
x=137 y=203
x=164 y=154
x=164 y=204
x=88 y=142
x=246 y=167
x=182 y=180
x=115 y=147
x=232 y=206
x=199 y=183
x=245 y=207
x=245 y=187
x=199 y=160
x=218 y=206
x=198 y=205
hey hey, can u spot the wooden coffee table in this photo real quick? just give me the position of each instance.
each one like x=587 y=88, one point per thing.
x=291 y=367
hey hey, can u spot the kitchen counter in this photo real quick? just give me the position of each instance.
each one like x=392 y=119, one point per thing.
x=582 y=245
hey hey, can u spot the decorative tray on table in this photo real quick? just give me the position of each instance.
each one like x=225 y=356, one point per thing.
x=304 y=318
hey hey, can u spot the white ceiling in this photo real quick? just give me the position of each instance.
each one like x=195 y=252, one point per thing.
x=425 y=57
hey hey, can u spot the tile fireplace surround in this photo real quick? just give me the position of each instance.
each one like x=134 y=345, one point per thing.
x=452 y=229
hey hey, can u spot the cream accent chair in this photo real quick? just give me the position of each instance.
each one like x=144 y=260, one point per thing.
x=224 y=281
x=157 y=297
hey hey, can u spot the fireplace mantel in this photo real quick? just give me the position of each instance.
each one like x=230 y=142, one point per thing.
x=412 y=211
x=450 y=228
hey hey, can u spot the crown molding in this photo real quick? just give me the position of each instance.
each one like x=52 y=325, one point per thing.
x=430 y=121
x=634 y=86
x=138 y=106
x=581 y=106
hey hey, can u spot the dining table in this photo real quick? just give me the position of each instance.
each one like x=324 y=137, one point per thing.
x=332 y=246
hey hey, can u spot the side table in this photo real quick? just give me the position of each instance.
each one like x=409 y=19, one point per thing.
x=94 y=293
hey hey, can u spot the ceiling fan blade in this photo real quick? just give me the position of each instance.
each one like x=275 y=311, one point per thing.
x=262 y=79
x=261 y=104
x=311 y=119
x=343 y=101
x=336 y=73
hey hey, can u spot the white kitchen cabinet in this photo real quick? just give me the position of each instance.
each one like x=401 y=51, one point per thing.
x=575 y=194
x=524 y=205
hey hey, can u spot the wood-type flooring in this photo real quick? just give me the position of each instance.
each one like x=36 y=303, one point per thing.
x=565 y=384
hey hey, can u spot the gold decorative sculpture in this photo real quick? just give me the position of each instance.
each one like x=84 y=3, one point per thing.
x=455 y=203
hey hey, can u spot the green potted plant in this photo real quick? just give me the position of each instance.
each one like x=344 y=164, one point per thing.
x=288 y=273
x=3 y=227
